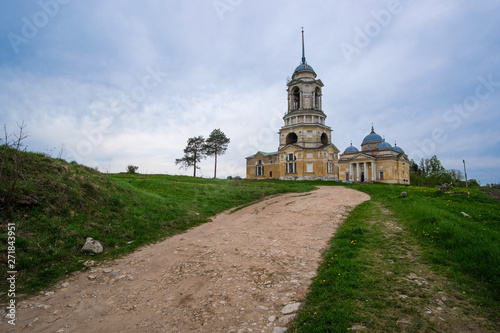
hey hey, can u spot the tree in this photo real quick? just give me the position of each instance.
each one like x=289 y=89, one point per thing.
x=132 y=168
x=216 y=144
x=193 y=153
x=435 y=168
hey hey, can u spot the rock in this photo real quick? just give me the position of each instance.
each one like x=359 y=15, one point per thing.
x=279 y=330
x=465 y=214
x=92 y=246
x=271 y=319
x=89 y=263
x=357 y=328
x=445 y=187
x=403 y=195
x=290 y=308
x=65 y=285
x=286 y=319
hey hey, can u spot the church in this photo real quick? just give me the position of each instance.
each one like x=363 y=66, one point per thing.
x=306 y=150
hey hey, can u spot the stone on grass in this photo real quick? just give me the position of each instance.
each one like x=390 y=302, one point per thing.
x=92 y=246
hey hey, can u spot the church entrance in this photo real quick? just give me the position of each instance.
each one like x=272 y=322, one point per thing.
x=362 y=177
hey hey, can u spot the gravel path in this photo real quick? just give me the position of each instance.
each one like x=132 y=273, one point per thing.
x=243 y=272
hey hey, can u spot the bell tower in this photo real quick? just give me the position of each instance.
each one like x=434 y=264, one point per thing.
x=305 y=120
x=306 y=151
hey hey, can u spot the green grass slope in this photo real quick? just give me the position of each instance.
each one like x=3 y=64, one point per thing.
x=365 y=277
x=56 y=205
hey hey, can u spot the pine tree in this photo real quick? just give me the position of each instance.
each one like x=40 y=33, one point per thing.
x=215 y=145
x=193 y=153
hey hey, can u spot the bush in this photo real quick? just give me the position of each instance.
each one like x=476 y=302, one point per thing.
x=132 y=168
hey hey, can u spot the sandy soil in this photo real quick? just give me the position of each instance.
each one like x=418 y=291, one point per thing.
x=243 y=272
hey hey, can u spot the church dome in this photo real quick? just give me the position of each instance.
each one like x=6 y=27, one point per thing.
x=383 y=145
x=372 y=137
x=351 y=149
x=397 y=149
x=303 y=67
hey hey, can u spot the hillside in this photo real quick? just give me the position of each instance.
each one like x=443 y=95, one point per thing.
x=56 y=205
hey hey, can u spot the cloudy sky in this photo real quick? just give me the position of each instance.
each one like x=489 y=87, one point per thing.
x=112 y=83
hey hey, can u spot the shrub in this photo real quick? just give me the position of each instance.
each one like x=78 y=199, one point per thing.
x=132 y=168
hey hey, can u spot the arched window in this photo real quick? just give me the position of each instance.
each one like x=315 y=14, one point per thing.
x=317 y=96
x=296 y=98
x=291 y=138
x=324 y=139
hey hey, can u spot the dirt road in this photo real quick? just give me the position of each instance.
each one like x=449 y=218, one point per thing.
x=243 y=272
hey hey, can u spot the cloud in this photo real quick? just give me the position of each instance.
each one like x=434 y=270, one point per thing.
x=87 y=79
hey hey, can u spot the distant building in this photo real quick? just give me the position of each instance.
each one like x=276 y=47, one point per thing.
x=306 y=151
x=377 y=161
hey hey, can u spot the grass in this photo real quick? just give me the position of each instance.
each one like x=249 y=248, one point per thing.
x=365 y=278
x=466 y=248
x=369 y=277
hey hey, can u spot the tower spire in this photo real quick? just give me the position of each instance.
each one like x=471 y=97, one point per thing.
x=303 y=48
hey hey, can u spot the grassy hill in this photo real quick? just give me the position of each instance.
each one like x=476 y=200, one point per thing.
x=55 y=205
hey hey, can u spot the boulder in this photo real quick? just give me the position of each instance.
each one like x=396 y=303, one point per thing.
x=403 y=195
x=445 y=187
x=92 y=246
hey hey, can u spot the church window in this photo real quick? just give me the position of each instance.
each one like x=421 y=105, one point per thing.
x=296 y=98
x=309 y=155
x=291 y=165
x=310 y=167
x=329 y=167
x=259 y=170
x=324 y=139
x=347 y=176
x=291 y=138
x=317 y=97
x=381 y=175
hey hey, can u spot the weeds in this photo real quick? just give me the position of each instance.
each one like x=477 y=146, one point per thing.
x=12 y=162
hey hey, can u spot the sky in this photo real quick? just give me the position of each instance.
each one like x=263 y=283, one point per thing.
x=114 y=83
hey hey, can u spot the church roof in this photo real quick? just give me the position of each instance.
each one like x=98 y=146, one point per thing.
x=384 y=145
x=398 y=149
x=262 y=153
x=372 y=137
x=303 y=67
x=351 y=149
